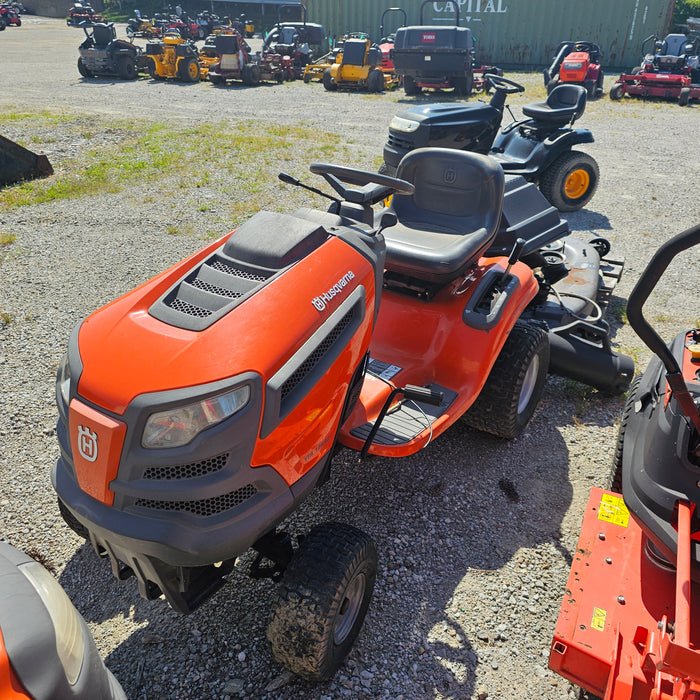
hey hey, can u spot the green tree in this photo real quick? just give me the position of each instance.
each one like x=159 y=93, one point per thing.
x=685 y=9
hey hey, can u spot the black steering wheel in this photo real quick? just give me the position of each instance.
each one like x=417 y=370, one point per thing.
x=498 y=82
x=362 y=177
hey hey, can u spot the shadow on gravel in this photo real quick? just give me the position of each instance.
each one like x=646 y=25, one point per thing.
x=457 y=525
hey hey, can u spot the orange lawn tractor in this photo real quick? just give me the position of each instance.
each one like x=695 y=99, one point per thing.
x=577 y=62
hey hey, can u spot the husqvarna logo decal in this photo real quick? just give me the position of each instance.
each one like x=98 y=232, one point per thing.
x=87 y=443
x=449 y=175
x=322 y=299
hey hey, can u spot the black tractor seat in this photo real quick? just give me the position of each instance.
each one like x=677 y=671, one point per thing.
x=451 y=218
x=566 y=103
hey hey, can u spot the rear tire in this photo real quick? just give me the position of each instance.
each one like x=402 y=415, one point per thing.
x=83 y=70
x=322 y=600
x=570 y=181
x=153 y=69
x=615 y=479
x=250 y=75
x=328 y=81
x=188 y=71
x=375 y=81
x=590 y=88
x=126 y=68
x=463 y=86
x=515 y=384
x=410 y=87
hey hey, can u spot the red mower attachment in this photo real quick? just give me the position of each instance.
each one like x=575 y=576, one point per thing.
x=669 y=86
x=629 y=624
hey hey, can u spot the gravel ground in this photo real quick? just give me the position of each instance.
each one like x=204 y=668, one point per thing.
x=470 y=577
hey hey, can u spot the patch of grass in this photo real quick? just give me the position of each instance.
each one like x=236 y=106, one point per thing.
x=158 y=158
x=5 y=318
x=7 y=238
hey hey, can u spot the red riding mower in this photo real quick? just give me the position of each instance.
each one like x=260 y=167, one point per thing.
x=386 y=43
x=9 y=16
x=672 y=72
x=83 y=13
x=576 y=62
x=629 y=625
x=178 y=457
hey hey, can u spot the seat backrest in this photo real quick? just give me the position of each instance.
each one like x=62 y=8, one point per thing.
x=102 y=34
x=674 y=44
x=568 y=95
x=354 y=52
x=455 y=190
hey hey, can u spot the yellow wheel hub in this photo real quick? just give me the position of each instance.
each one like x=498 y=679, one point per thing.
x=577 y=183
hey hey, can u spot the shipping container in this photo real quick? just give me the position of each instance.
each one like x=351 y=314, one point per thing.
x=515 y=33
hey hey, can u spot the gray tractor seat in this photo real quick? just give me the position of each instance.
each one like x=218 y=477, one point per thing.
x=451 y=218
x=566 y=103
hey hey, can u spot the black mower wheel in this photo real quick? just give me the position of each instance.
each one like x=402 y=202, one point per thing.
x=463 y=86
x=153 y=70
x=616 y=91
x=684 y=97
x=375 y=81
x=600 y=83
x=515 y=384
x=386 y=169
x=2 y=24
x=83 y=69
x=126 y=68
x=19 y=22
x=410 y=87
x=188 y=71
x=216 y=79
x=615 y=479
x=250 y=75
x=328 y=81
x=589 y=85
x=570 y=181
x=322 y=600
x=72 y=522
x=307 y=77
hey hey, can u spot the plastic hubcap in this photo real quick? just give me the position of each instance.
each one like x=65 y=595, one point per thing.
x=528 y=384
x=349 y=609
x=577 y=183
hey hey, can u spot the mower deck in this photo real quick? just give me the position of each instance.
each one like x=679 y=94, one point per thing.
x=619 y=633
x=666 y=85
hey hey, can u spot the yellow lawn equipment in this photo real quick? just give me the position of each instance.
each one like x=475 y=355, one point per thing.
x=174 y=57
x=358 y=66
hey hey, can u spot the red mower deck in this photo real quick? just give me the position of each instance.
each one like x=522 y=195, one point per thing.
x=619 y=633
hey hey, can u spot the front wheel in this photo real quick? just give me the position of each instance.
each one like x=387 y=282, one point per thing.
x=684 y=97
x=322 y=600
x=616 y=91
x=83 y=69
x=615 y=478
x=153 y=69
x=570 y=181
x=515 y=384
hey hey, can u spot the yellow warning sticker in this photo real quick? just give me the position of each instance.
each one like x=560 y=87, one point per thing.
x=598 y=619
x=613 y=510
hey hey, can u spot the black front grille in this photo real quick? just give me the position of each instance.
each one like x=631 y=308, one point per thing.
x=205 y=507
x=188 y=471
x=315 y=357
x=400 y=141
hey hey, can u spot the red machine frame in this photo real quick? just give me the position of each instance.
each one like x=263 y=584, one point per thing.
x=625 y=630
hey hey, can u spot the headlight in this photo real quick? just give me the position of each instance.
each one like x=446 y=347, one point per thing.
x=574 y=65
x=63 y=379
x=70 y=644
x=401 y=124
x=180 y=425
